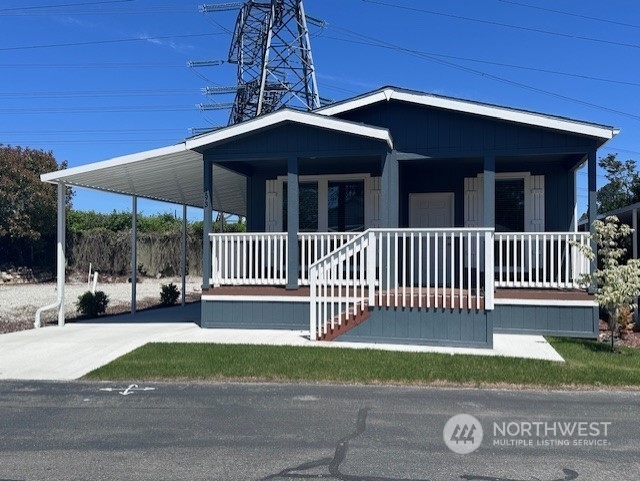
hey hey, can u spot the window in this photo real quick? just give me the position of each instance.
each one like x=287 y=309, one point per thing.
x=509 y=205
x=345 y=206
x=308 y=208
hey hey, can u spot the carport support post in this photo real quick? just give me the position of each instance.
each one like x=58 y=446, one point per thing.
x=61 y=248
x=293 y=221
x=183 y=263
x=134 y=252
x=592 y=209
x=206 y=225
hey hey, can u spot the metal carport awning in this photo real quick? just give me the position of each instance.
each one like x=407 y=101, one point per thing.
x=171 y=174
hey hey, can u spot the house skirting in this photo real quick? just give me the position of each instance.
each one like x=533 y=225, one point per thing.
x=255 y=313
x=439 y=327
x=555 y=320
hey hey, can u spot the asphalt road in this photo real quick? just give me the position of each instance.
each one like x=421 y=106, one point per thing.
x=180 y=431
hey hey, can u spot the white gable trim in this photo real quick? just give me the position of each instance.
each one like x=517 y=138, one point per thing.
x=287 y=115
x=466 y=106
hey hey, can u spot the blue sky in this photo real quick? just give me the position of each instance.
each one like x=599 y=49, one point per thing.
x=92 y=80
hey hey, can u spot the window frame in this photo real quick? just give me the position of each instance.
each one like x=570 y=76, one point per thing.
x=323 y=194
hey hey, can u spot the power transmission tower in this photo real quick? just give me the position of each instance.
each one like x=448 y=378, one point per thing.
x=271 y=49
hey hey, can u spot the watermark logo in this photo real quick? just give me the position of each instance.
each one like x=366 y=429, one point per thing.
x=463 y=434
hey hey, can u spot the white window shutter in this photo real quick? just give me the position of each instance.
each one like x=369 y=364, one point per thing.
x=536 y=204
x=273 y=207
x=473 y=201
x=372 y=202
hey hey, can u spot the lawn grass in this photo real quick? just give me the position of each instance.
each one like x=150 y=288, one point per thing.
x=588 y=364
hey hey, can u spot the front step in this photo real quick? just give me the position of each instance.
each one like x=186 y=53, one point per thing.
x=348 y=322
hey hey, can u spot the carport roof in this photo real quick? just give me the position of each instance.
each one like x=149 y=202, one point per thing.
x=174 y=173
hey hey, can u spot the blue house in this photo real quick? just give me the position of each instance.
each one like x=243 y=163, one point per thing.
x=395 y=216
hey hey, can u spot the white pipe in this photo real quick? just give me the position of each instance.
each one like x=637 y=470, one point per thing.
x=95 y=282
x=60 y=264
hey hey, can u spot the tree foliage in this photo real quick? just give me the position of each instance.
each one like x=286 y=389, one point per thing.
x=623 y=184
x=28 y=207
x=617 y=282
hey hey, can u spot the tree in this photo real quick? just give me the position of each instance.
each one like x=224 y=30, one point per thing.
x=28 y=207
x=617 y=283
x=623 y=186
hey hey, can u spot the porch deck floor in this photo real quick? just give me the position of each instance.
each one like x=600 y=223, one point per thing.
x=510 y=294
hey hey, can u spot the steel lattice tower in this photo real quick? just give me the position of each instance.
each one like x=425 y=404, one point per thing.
x=272 y=51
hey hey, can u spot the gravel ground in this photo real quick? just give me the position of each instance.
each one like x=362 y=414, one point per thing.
x=18 y=303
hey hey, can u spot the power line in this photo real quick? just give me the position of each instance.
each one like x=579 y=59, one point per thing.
x=94 y=93
x=571 y=14
x=425 y=56
x=508 y=65
x=501 y=24
x=99 y=42
x=93 y=65
x=100 y=109
x=36 y=7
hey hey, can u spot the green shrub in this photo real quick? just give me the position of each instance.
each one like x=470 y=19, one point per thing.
x=169 y=294
x=92 y=305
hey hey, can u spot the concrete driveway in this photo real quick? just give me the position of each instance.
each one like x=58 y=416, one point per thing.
x=70 y=352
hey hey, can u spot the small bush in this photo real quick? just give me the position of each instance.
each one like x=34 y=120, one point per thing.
x=92 y=305
x=169 y=294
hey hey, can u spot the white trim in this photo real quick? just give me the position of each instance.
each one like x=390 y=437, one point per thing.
x=544 y=302
x=288 y=115
x=209 y=297
x=475 y=108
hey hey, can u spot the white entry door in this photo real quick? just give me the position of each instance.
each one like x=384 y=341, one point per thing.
x=434 y=210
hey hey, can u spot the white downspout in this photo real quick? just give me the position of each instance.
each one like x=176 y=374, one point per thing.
x=60 y=264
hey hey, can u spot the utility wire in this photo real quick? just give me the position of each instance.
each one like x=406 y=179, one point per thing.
x=99 y=42
x=425 y=56
x=93 y=65
x=571 y=14
x=501 y=24
x=508 y=65
x=60 y=5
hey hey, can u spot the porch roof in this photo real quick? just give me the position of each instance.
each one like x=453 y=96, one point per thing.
x=174 y=173
x=537 y=119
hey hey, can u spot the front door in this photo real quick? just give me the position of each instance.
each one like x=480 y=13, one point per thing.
x=434 y=210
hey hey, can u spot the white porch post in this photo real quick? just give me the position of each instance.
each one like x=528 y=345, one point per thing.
x=61 y=248
x=489 y=193
x=183 y=258
x=293 y=222
x=489 y=216
x=206 y=227
x=134 y=252
x=592 y=209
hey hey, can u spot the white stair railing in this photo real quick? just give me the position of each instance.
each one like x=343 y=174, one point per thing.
x=341 y=284
x=540 y=260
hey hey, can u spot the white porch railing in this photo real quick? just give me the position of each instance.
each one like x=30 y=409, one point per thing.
x=261 y=258
x=402 y=268
x=540 y=260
